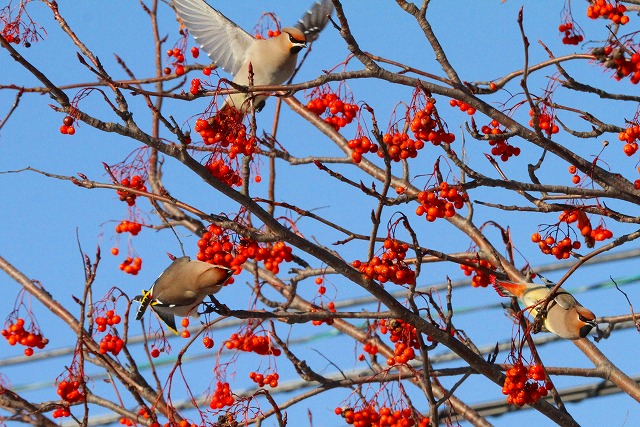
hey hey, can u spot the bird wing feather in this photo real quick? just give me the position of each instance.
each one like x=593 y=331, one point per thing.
x=225 y=43
x=212 y=277
x=184 y=299
x=565 y=299
x=169 y=286
x=169 y=319
x=315 y=19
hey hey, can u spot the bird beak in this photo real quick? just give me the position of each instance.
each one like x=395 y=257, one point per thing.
x=298 y=47
x=584 y=331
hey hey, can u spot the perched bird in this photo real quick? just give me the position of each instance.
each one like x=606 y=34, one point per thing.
x=273 y=60
x=565 y=316
x=181 y=288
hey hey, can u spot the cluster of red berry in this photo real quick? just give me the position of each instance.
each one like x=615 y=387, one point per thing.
x=606 y=9
x=546 y=122
x=67 y=126
x=222 y=396
x=109 y=319
x=384 y=417
x=111 y=344
x=576 y=215
x=601 y=233
x=441 y=204
x=481 y=278
x=270 y=34
x=258 y=344
x=463 y=106
x=590 y=234
x=273 y=255
x=522 y=384
x=11 y=32
x=404 y=336
x=630 y=135
x=561 y=249
x=61 y=412
x=331 y=306
x=69 y=390
x=183 y=423
x=400 y=146
x=185 y=324
x=207 y=342
x=361 y=146
x=574 y=171
x=16 y=334
x=583 y=222
x=425 y=126
x=127 y=422
x=571 y=35
x=131 y=265
x=321 y=288
x=224 y=172
x=128 y=227
x=390 y=266
x=500 y=146
x=196 y=86
x=624 y=60
x=228 y=130
x=270 y=379
x=143 y=413
x=137 y=183
x=339 y=113
x=216 y=247
x=369 y=348
x=178 y=59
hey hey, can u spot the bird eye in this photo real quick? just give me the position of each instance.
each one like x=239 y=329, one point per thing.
x=291 y=39
x=583 y=319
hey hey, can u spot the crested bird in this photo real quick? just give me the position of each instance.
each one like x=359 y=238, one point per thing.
x=564 y=316
x=181 y=288
x=272 y=61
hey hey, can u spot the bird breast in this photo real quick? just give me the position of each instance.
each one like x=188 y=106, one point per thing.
x=272 y=64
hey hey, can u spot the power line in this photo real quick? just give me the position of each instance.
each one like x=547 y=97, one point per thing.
x=354 y=302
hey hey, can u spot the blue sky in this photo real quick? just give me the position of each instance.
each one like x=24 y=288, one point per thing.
x=45 y=219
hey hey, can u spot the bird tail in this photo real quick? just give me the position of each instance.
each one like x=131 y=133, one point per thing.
x=144 y=300
x=507 y=289
x=169 y=320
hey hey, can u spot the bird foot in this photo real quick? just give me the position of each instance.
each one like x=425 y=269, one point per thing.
x=215 y=306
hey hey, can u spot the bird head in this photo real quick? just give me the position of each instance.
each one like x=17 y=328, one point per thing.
x=294 y=39
x=586 y=321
